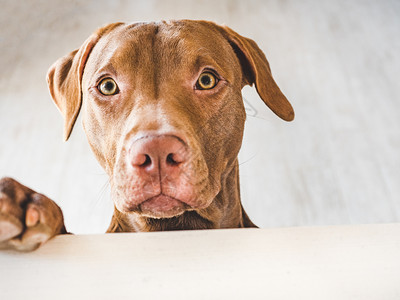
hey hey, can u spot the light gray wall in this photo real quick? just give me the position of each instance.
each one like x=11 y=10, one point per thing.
x=337 y=61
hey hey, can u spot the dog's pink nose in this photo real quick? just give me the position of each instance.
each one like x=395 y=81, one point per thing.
x=158 y=153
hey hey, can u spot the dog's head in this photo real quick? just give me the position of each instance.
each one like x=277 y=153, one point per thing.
x=163 y=111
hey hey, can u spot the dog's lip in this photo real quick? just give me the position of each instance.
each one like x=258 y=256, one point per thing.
x=163 y=206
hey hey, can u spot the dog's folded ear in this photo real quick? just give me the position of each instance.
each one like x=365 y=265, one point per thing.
x=256 y=70
x=64 y=79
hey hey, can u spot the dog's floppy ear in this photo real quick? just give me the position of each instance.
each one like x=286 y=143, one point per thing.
x=256 y=70
x=64 y=79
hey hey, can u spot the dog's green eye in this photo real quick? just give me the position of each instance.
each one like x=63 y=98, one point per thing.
x=108 y=87
x=206 y=81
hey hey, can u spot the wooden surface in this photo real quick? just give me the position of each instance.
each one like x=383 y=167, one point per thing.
x=347 y=262
x=337 y=61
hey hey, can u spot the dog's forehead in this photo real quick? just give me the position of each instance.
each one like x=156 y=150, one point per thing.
x=186 y=31
x=166 y=39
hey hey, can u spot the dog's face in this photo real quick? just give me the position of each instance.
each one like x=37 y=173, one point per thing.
x=162 y=110
x=156 y=96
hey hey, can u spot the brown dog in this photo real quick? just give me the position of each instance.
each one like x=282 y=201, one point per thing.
x=164 y=116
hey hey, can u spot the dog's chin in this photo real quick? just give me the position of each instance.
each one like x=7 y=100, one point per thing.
x=164 y=213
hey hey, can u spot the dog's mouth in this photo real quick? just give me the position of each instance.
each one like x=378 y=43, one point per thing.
x=159 y=206
x=162 y=206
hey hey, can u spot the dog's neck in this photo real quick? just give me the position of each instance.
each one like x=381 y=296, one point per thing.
x=227 y=209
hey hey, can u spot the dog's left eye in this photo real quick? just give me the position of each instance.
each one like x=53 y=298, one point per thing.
x=108 y=87
x=206 y=81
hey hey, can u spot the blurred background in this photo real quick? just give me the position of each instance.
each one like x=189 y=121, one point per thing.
x=338 y=63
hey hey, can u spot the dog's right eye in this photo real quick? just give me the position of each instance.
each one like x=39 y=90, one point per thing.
x=108 y=87
x=206 y=81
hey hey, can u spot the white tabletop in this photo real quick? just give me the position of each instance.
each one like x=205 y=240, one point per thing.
x=344 y=262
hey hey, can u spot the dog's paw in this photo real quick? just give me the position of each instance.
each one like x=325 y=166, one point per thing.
x=27 y=219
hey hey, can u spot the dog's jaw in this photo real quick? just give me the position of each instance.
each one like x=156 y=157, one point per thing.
x=225 y=211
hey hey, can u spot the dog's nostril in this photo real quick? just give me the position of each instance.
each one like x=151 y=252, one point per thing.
x=147 y=161
x=171 y=160
x=151 y=154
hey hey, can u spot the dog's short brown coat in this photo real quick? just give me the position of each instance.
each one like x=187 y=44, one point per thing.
x=156 y=67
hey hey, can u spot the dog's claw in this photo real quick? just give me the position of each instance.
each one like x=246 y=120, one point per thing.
x=32 y=217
